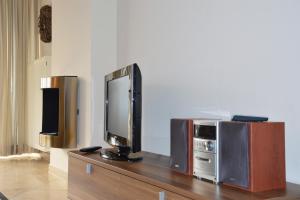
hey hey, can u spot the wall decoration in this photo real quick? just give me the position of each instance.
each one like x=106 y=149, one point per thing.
x=45 y=23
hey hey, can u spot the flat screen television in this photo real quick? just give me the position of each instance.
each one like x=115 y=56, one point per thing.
x=123 y=113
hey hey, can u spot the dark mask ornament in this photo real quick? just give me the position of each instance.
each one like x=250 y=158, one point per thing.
x=45 y=23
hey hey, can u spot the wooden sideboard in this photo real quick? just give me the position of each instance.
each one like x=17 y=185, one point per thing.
x=91 y=177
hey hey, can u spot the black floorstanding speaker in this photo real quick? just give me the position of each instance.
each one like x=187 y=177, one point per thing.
x=182 y=145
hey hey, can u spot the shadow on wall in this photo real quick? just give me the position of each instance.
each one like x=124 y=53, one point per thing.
x=161 y=103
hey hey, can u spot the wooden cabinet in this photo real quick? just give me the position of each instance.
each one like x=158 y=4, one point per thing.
x=100 y=184
x=173 y=196
x=132 y=189
x=90 y=182
x=93 y=178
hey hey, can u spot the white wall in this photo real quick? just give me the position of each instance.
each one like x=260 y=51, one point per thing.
x=71 y=55
x=34 y=100
x=196 y=57
x=84 y=44
x=38 y=68
x=104 y=60
x=201 y=56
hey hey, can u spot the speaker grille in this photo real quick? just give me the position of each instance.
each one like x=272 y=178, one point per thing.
x=179 y=145
x=234 y=153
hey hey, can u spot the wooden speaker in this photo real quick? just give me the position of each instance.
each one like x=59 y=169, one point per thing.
x=252 y=155
x=182 y=132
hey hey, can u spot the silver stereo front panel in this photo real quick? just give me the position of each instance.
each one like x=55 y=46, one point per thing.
x=204 y=164
x=206 y=150
x=204 y=145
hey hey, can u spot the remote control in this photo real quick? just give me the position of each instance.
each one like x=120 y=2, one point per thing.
x=241 y=118
x=90 y=149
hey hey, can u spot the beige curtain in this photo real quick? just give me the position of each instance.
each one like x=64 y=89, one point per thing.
x=17 y=49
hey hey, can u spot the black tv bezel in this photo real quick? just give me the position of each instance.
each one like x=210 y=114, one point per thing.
x=133 y=140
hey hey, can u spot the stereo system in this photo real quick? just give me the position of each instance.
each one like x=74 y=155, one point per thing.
x=245 y=155
x=205 y=150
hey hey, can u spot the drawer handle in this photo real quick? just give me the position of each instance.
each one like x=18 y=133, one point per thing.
x=162 y=195
x=203 y=159
x=89 y=168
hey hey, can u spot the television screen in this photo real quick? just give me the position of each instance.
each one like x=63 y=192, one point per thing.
x=118 y=106
x=123 y=113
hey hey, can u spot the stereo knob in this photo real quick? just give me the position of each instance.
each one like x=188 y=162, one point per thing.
x=209 y=146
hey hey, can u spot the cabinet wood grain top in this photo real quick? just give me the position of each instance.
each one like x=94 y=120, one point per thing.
x=154 y=169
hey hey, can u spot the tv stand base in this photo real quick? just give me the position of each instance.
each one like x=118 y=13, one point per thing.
x=120 y=154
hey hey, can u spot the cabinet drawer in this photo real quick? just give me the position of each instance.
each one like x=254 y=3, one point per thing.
x=132 y=189
x=91 y=182
x=100 y=184
x=173 y=196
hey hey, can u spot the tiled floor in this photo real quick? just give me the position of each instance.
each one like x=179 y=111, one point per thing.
x=30 y=180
